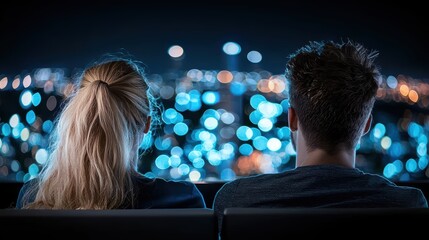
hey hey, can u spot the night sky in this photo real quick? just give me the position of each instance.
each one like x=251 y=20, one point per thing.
x=73 y=34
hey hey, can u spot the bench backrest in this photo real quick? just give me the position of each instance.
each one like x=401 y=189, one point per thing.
x=282 y=223
x=110 y=224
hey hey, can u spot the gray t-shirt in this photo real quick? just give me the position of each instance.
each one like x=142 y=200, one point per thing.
x=316 y=186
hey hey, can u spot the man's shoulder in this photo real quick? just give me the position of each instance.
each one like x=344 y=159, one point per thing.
x=382 y=182
x=401 y=194
x=253 y=180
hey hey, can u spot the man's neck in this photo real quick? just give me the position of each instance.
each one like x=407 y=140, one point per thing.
x=344 y=158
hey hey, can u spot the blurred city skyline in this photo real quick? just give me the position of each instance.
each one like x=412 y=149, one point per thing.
x=216 y=125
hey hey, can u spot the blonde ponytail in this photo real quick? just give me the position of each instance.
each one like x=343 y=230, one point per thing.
x=96 y=139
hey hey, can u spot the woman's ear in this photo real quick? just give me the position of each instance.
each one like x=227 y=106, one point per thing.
x=367 y=125
x=147 y=127
x=292 y=119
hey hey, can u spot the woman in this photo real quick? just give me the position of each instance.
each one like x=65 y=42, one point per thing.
x=93 y=162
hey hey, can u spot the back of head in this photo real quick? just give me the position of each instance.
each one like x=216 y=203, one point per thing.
x=96 y=140
x=332 y=87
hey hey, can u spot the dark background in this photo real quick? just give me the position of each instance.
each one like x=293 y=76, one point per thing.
x=71 y=34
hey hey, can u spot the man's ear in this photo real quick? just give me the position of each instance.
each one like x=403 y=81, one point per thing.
x=147 y=127
x=367 y=125
x=292 y=119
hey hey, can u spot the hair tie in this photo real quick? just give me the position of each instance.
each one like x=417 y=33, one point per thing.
x=101 y=82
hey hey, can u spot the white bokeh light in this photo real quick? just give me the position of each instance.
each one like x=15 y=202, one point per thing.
x=254 y=57
x=231 y=48
x=175 y=51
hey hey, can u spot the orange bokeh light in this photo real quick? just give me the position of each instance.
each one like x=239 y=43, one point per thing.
x=3 y=83
x=413 y=95
x=225 y=76
x=16 y=83
x=404 y=90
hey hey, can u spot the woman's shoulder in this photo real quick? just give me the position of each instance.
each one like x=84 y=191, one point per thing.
x=177 y=184
x=27 y=192
x=164 y=193
x=161 y=184
x=30 y=184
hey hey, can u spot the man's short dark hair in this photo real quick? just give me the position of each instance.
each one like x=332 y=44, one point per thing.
x=332 y=87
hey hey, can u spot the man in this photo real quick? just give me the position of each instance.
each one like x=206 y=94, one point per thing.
x=332 y=91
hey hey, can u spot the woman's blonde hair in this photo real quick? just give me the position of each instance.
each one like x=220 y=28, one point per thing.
x=96 y=140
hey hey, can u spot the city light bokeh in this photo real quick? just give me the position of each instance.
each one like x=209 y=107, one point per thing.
x=216 y=124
